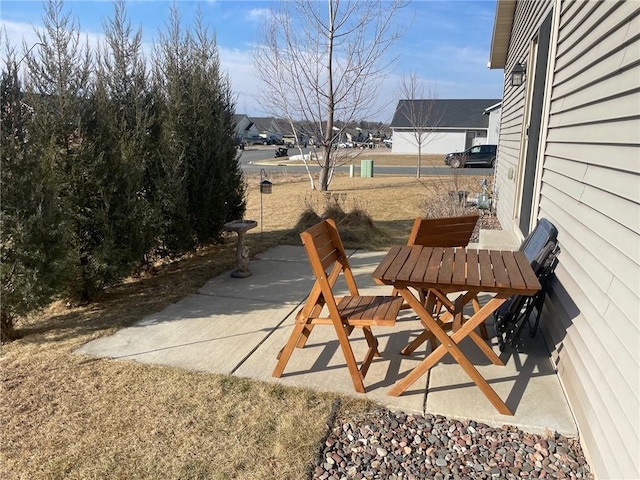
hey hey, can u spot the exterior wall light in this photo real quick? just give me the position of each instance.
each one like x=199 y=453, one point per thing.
x=517 y=75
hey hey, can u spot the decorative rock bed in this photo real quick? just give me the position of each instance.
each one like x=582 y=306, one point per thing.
x=394 y=446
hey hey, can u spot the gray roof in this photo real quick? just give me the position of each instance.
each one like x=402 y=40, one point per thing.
x=284 y=126
x=262 y=123
x=458 y=113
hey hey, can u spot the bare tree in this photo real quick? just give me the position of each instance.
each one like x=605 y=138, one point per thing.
x=417 y=108
x=324 y=62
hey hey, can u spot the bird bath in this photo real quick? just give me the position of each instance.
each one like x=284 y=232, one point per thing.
x=242 y=252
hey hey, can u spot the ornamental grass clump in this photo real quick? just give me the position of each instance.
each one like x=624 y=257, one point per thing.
x=355 y=225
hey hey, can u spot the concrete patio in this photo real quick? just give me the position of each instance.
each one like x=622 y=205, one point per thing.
x=236 y=326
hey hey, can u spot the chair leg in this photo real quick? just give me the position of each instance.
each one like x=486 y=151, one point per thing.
x=371 y=340
x=356 y=375
x=285 y=354
x=372 y=352
x=304 y=336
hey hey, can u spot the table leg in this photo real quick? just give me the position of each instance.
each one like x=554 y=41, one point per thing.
x=454 y=316
x=430 y=303
x=450 y=345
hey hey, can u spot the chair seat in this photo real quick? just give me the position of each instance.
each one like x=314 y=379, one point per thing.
x=362 y=311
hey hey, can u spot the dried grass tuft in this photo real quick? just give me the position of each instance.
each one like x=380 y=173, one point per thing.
x=355 y=225
x=308 y=218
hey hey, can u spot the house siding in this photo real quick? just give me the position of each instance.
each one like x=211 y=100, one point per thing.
x=437 y=143
x=528 y=17
x=493 y=132
x=589 y=188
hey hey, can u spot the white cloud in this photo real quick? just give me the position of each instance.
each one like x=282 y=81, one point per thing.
x=238 y=64
x=259 y=14
x=17 y=33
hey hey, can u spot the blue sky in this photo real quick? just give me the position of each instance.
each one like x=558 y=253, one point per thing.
x=446 y=43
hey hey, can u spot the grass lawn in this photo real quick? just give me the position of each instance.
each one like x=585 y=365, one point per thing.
x=72 y=416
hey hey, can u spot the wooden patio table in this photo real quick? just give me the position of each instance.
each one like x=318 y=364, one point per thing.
x=448 y=270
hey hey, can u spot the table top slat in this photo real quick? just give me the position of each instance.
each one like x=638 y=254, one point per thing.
x=431 y=275
x=513 y=270
x=472 y=273
x=460 y=267
x=486 y=271
x=390 y=259
x=404 y=275
x=445 y=274
x=421 y=265
x=528 y=275
x=499 y=270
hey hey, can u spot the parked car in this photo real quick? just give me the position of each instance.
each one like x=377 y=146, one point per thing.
x=476 y=156
x=273 y=140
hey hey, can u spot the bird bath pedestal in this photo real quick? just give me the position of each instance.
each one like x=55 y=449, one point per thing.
x=242 y=253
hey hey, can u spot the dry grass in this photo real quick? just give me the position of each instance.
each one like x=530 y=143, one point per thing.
x=69 y=416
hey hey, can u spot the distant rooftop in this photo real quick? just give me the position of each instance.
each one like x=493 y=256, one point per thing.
x=456 y=113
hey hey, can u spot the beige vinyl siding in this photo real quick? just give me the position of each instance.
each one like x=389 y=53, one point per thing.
x=624 y=158
x=589 y=187
x=529 y=14
x=591 y=190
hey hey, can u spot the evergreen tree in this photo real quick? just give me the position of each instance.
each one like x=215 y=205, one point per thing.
x=198 y=136
x=171 y=68
x=127 y=134
x=103 y=166
x=32 y=249
x=60 y=91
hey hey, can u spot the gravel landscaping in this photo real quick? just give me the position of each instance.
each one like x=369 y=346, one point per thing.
x=394 y=446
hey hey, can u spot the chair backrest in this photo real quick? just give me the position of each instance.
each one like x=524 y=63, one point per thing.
x=443 y=232
x=540 y=243
x=327 y=256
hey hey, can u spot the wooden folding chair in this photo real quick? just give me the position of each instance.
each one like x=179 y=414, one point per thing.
x=326 y=254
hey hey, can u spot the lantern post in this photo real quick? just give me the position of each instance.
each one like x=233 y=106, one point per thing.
x=265 y=188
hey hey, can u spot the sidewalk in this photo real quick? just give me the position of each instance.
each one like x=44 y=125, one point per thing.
x=237 y=326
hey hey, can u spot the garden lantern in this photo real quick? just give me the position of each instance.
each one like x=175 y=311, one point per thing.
x=265 y=188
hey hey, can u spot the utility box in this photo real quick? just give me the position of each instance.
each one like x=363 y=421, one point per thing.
x=484 y=202
x=366 y=168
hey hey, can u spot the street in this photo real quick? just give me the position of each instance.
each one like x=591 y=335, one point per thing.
x=256 y=158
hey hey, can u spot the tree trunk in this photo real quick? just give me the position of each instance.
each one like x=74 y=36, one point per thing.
x=328 y=136
x=326 y=168
x=7 y=332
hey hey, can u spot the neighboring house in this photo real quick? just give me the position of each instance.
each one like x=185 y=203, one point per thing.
x=448 y=125
x=287 y=133
x=569 y=151
x=493 y=130
x=245 y=128
x=358 y=135
x=267 y=127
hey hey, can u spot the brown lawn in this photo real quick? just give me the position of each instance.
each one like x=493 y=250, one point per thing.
x=70 y=416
